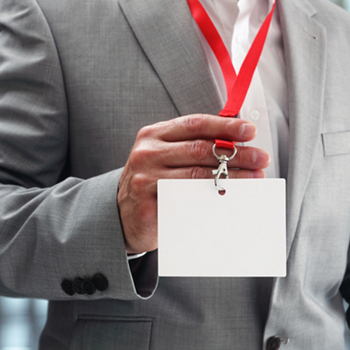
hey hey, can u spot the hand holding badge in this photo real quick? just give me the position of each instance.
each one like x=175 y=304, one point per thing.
x=241 y=233
x=200 y=232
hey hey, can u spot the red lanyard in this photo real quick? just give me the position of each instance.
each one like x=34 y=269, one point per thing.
x=236 y=85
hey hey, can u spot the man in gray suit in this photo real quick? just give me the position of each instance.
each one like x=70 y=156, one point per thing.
x=78 y=81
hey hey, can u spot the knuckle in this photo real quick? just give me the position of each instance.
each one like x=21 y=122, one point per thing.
x=145 y=132
x=194 y=122
x=198 y=150
x=138 y=183
x=240 y=157
x=139 y=155
x=197 y=172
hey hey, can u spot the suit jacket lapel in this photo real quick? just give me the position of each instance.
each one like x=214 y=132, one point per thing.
x=305 y=56
x=166 y=32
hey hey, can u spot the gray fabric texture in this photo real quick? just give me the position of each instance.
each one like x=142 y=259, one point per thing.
x=78 y=79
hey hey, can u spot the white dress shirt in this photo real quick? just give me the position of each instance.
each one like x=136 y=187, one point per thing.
x=265 y=105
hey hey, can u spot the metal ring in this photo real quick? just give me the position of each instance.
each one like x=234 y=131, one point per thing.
x=228 y=158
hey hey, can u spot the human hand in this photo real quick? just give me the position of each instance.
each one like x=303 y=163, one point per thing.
x=180 y=148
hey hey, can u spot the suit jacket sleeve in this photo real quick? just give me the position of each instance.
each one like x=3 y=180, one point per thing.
x=50 y=229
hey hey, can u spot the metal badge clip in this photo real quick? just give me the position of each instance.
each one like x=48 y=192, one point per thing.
x=222 y=169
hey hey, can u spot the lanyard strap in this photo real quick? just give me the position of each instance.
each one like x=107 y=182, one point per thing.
x=237 y=86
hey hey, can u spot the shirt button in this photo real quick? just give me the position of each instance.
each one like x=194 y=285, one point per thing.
x=262 y=18
x=254 y=114
x=240 y=39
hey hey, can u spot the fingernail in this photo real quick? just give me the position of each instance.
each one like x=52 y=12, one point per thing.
x=261 y=157
x=247 y=130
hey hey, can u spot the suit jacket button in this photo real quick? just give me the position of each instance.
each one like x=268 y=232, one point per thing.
x=88 y=287
x=67 y=287
x=100 y=282
x=77 y=286
x=273 y=343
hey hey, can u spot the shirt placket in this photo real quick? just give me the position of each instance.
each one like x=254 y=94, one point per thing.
x=254 y=108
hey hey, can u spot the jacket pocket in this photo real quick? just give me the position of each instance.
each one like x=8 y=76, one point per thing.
x=336 y=143
x=111 y=333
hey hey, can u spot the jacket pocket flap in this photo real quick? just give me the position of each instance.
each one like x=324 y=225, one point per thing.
x=336 y=143
x=93 y=332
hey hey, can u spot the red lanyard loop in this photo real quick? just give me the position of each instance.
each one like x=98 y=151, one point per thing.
x=237 y=86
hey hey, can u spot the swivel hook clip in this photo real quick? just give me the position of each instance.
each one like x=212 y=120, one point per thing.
x=222 y=169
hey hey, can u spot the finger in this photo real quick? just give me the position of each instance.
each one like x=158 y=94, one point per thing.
x=203 y=126
x=195 y=172
x=199 y=152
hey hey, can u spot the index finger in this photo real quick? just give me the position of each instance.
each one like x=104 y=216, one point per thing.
x=205 y=126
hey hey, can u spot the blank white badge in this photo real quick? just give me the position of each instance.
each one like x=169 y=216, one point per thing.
x=239 y=234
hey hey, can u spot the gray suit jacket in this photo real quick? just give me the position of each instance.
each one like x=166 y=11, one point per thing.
x=78 y=79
